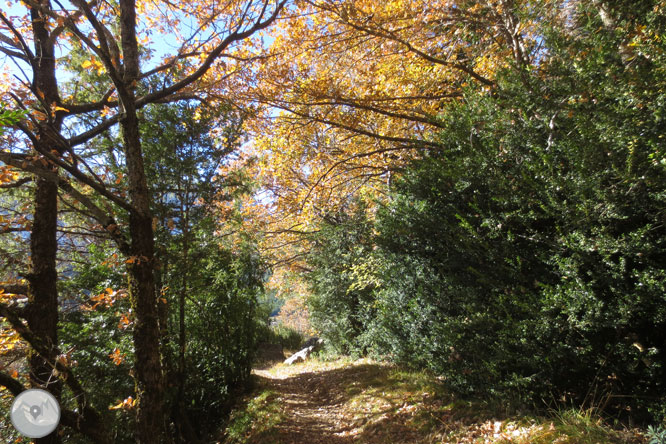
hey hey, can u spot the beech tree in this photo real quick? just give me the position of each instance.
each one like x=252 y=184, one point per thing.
x=351 y=91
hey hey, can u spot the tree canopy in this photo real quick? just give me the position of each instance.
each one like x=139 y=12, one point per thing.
x=471 y=187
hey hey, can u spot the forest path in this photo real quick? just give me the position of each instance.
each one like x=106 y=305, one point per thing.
x=312 y=403
x=366 y=402
x=337 y=402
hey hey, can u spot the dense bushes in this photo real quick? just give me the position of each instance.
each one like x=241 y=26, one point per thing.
x=336 y=307
x=527 y=260
x=279 y=334
x=222 y=325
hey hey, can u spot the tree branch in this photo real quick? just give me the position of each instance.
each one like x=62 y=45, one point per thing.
x=14 y=386
x=361 y=131
x=15 y=289
x=24 y=46
x=386 y=34
x=107 y=221
x=88 y=107
x=16 y=184
x=206 y=64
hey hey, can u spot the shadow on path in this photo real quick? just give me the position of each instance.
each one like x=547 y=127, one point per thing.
x=365 y=402
x=316 y=406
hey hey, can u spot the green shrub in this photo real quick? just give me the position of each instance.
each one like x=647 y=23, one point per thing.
x=656 y=435
x=287 y=337
x=526 y=260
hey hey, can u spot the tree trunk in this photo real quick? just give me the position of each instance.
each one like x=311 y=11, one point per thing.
x=42 y=314
x=182 y=339
x=184 y=426
x=148 y=365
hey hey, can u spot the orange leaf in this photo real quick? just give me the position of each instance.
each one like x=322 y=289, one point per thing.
x=124 y=322
x=127 y=404
x=117 y=357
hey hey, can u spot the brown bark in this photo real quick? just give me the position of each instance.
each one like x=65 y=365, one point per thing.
x=148 y=365
x=86 y=420
x=89 y=424
x=182 y=340
x=146 y=334
x=184 y=425
x=42 y=312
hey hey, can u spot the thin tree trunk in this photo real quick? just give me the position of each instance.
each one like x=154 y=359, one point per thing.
x=187 y=433
x=42 y=314
x=182 y=339
x=147 y=366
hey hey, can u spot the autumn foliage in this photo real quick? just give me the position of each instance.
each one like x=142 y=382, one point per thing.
x=474 y=187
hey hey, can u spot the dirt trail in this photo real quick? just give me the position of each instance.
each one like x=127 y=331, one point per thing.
x=365 y=402
x=313 y=405
x=336 y=403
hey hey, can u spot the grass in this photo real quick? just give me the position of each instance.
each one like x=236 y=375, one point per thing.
x=571 y=426
x=256 y=420
x=379 y=403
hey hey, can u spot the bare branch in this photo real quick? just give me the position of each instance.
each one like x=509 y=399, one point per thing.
x=89 y=107
x=24 y=46
x=94 y=132
x=14 y=54
x=214 y=54
x=14 y=288
x=106 y=220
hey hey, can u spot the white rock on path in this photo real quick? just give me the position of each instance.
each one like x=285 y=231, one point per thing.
x=312 y=345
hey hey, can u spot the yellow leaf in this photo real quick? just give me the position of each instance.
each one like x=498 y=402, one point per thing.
x=117 y=406
x=127 y=403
